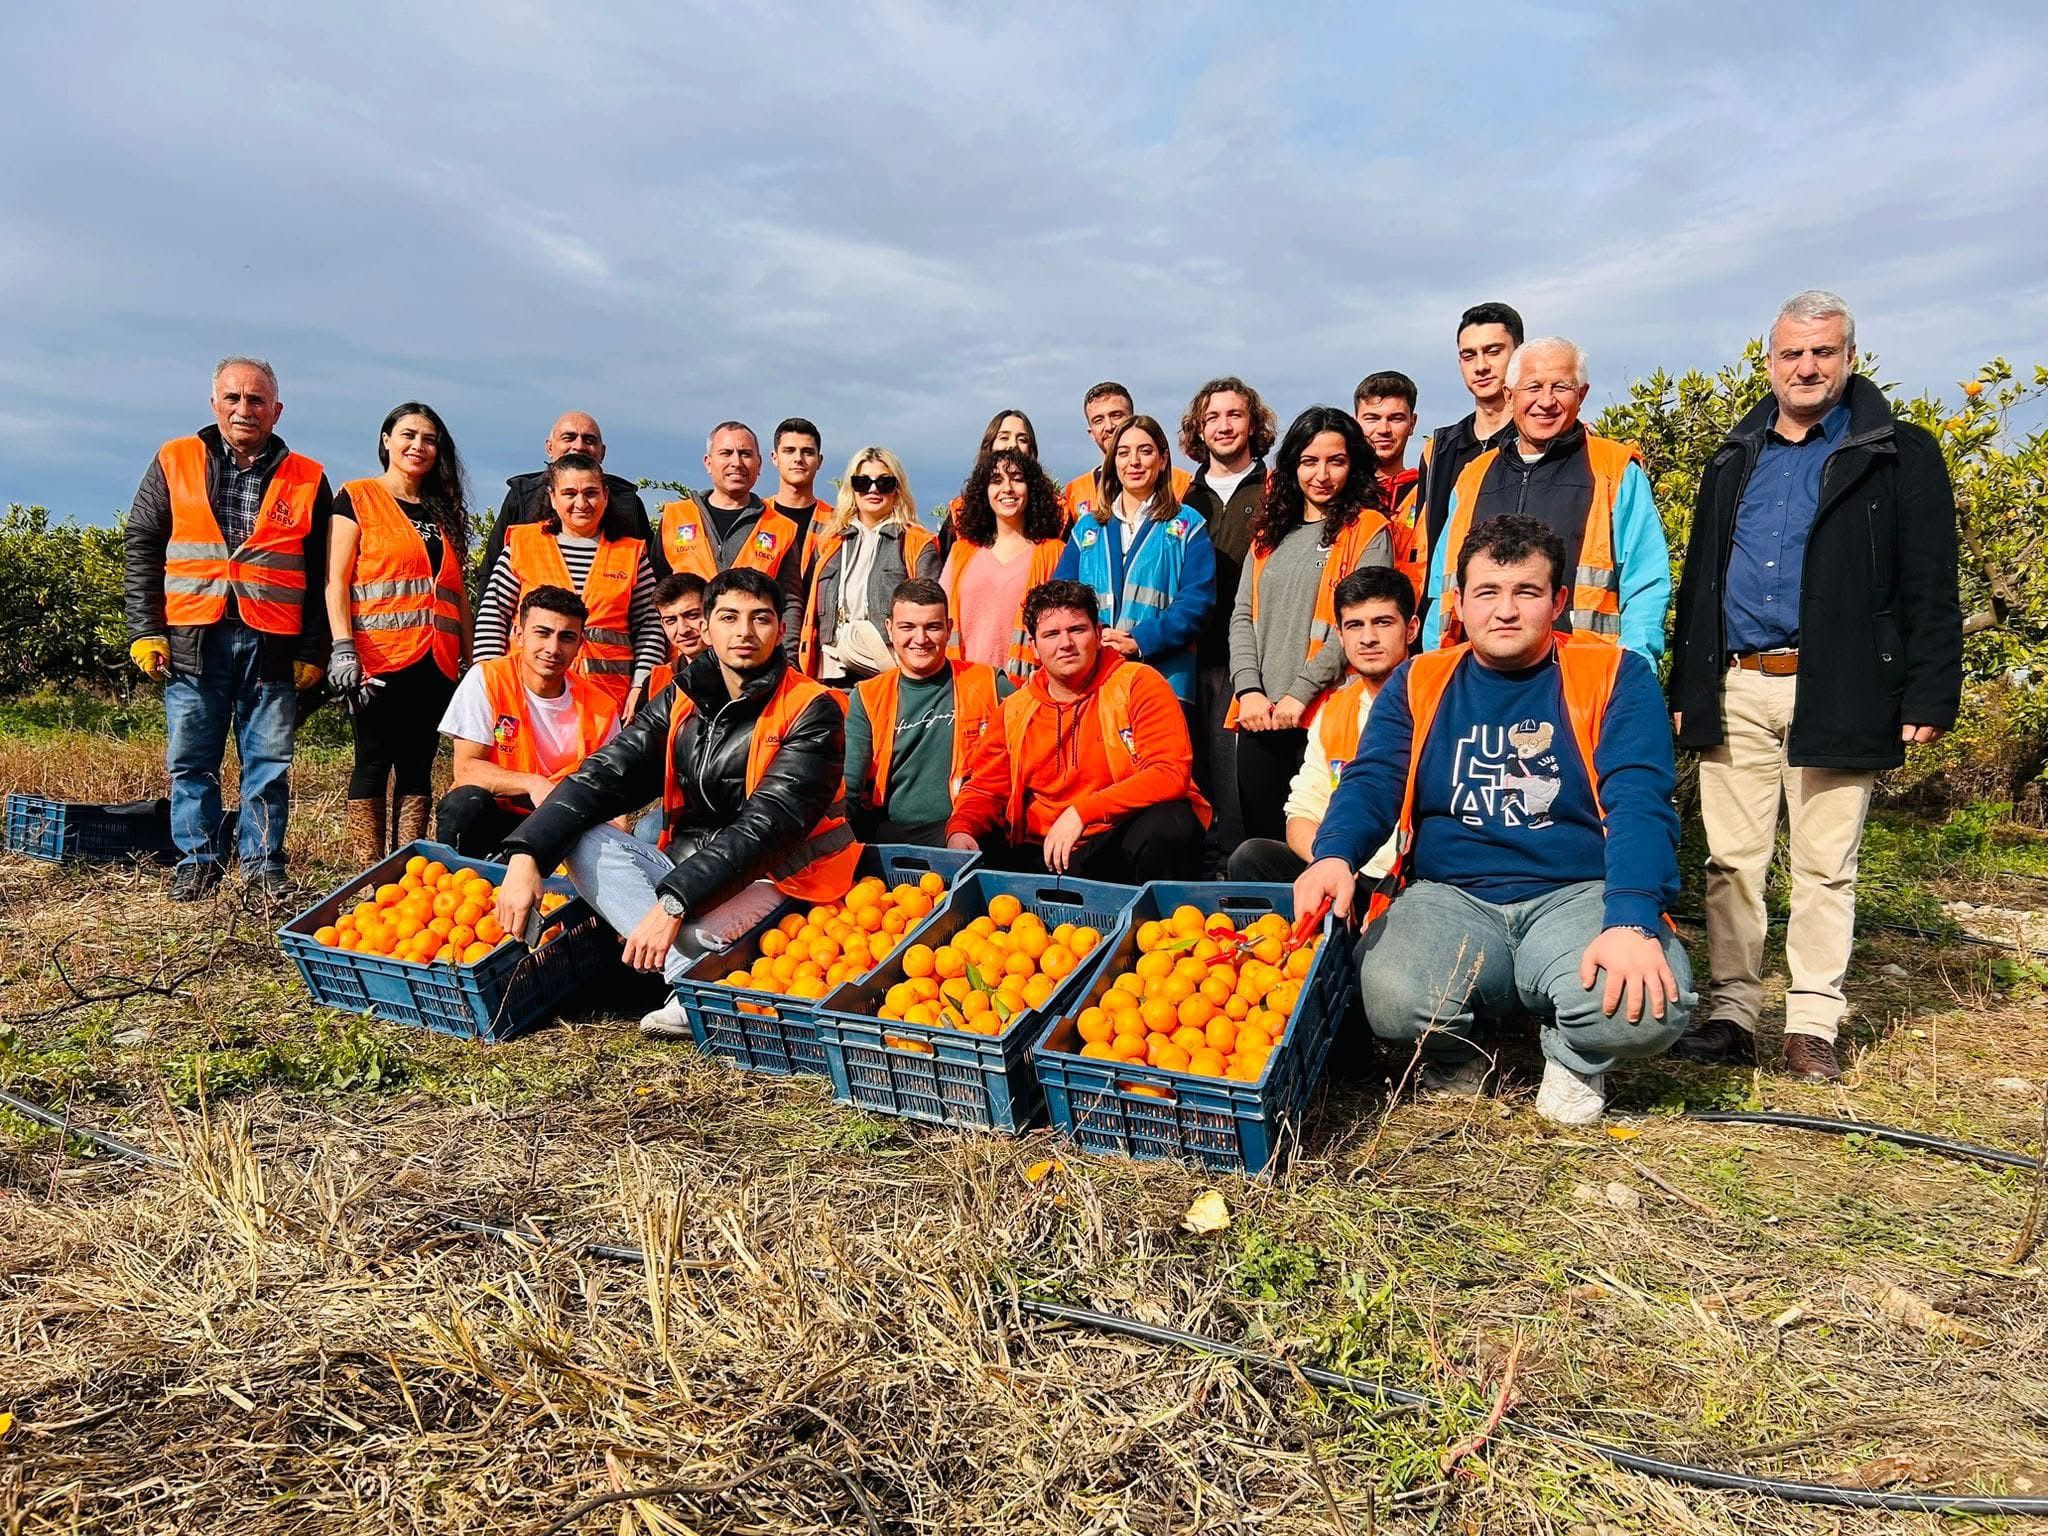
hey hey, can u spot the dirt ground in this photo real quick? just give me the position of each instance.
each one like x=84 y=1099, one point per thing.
x=281 y=1333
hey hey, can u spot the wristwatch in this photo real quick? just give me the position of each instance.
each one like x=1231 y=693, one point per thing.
x=1638 y=930
x=670 y=906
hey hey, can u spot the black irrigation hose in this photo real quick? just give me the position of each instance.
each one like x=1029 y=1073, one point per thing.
x=1909 y=930
x=1961 y=1151
x=1630 y=1461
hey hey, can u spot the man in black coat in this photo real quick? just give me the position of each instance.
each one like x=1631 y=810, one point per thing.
x=526 y=496
x=1818 y=632
x=725 y=827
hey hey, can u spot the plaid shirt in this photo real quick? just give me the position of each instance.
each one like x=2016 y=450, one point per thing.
x=238 y=493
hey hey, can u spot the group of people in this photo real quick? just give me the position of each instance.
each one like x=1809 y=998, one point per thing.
x=1426 y=694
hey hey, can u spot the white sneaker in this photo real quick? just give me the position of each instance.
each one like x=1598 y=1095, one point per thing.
x=666 y=1022
x=1454 y=1080
x=1571 y=1098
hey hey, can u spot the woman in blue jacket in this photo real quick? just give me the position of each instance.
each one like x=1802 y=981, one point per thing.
x=1148 y=558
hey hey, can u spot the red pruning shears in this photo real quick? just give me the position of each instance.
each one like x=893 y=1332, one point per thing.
x=1306 y=925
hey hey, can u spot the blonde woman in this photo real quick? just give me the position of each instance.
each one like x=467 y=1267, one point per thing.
x=871 y=542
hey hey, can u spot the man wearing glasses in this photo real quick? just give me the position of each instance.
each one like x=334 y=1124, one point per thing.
x=1590 y=490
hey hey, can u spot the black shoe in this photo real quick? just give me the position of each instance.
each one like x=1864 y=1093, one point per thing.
x=1720 y=1041
x=195 y=882
x=268 y=889
x=1811 y=1059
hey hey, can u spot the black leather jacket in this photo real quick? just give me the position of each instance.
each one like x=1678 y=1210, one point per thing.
x=724 y=837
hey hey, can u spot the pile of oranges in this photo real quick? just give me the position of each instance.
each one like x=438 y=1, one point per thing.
x=987 y=973
x=432 y=915
x=807 y=954
x=1202 y=997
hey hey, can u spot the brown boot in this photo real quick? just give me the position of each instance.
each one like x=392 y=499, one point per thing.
x=366 y=831
x=1811 y=1059
x=411 y=819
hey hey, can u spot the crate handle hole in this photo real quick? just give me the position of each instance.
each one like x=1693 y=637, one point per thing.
x=1159 y=1091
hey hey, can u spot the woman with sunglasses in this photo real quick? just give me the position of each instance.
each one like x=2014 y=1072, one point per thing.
x=872 y=542
x=1323 y=517
x=1010 y=540
x=1147 y=557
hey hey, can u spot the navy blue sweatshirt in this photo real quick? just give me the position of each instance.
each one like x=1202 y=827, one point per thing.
x=1503 y=806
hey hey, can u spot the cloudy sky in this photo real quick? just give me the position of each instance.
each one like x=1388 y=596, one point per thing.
x=895 y=216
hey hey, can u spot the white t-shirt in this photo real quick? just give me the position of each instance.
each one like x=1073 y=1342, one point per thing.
x=1225 y=486
x=557 y=737
x=1308 y=797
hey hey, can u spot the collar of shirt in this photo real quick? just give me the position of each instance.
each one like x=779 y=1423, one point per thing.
x=1832 y=426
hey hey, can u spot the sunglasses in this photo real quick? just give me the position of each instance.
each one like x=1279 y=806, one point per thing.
x=872 y=485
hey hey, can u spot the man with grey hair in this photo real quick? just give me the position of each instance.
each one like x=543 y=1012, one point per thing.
x=1820 y=505
x=1590 y=490
x=728 y=527
x=224 y=587
x=526 y=496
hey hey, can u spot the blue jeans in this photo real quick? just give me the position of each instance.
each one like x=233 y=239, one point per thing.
x=1439 y=959
x=617 y=875
x=199 y=710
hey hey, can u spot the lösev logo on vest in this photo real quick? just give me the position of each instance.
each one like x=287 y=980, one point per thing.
x=506 y=731
x=1506 y=776
x=764 y=541
x=687 y=533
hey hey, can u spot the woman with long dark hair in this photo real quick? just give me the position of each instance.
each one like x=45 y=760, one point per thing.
x=1008 y=428
x=1147 y=556
x=1009 y=542
x=398 y=613
x=1323 y=516
x=583 y=545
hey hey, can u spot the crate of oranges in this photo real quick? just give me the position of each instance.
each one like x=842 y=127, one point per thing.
x=756 y=1002
x=1200 y=1034
x=942 y=1032
x=413 y=939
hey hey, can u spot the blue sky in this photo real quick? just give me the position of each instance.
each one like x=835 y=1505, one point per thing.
x=896 y=216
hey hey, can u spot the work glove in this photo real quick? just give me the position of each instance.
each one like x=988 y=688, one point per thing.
x=306 y=675
x=344 y=670
x=152 y=654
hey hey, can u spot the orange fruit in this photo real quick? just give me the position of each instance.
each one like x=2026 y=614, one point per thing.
x=918 y=960
x=1170 y=1057
x=1189 y=1037
x=774 y=942
x=1220 y=923
x=1084 y=941
x=895 y=920
x=1299 y=962
x=1156 y=966
x=974 y=1004
x=432 y=872
x=1128 y=1047
x=1130 y=984
x=328 y=936
x=1058 y=961
x=1186 y=921
x=1151 y=936
x=931 y=882
x=789 y=925
x=1031 y=939
x=824 y=951
x=474 y=953
x=467 y=914
x=949 y=961
x=349 y=940
x=390 y=895
x=921 y=1013
x=488 y=929
x=1195 y=1012
x=461 y=937
x=1038 y=991
x=1020 y=965
x=1158 y=1014
x=1216 y=988
x=924 y=990
x=914 y=904
x=1253 y=1041
x=416 y=864
x=1221 y=1033
x=1176 y=989
x=1004 y=910
x=1095 y=1050
x=1093 y=1024
x=1207 y=1062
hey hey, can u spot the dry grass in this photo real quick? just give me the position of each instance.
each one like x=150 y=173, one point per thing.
x=283 y=1336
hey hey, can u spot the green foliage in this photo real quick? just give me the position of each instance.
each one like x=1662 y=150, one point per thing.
x=1274 y=1269
x=349 y=1057
x=60 y=602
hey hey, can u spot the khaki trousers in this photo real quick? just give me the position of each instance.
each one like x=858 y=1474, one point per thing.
x=1742 y=783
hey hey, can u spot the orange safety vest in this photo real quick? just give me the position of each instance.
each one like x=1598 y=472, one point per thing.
x=607 y=655
x=821 y=547
x=400 y=608
x=1587 y=669
x=512 y=745
x=1340 y=707
x=1596 y=584
x=659 y=679
x=267 y=574
x=1045 y=559
x=688 y=545
x=974 y=707
x=1340 y=562
x=1119 y=741
x=820 y=866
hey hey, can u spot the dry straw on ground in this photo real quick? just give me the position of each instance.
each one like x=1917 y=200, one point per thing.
x=283 y=1335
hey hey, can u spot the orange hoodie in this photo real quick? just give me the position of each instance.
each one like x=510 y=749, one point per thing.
x=1061 y=753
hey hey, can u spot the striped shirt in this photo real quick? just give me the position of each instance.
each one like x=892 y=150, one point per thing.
x=499 y=606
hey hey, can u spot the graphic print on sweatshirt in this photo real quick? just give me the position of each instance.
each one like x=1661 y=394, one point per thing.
x=1506 y=776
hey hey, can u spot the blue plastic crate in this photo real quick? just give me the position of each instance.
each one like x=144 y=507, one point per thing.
x=63 y=831
x=948 y=1077
x=1182 y=1116
x=780 y=1036
x=502 y=995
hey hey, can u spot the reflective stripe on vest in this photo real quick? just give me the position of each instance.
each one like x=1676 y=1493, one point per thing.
x=974 y=708
x=687 y=544
x=818 y=866
x=1022 y=658
x=1354 y=545
x=607 y=654
x=819 y=548
x=267 y=575
x=1596 y=583
x=1586 y=673
x=512 y=742
x=399 y=608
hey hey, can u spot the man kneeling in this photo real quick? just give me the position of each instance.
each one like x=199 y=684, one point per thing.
x=521 y=723
x=1091 y=771
x=746 y=754
x=1529 y=776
